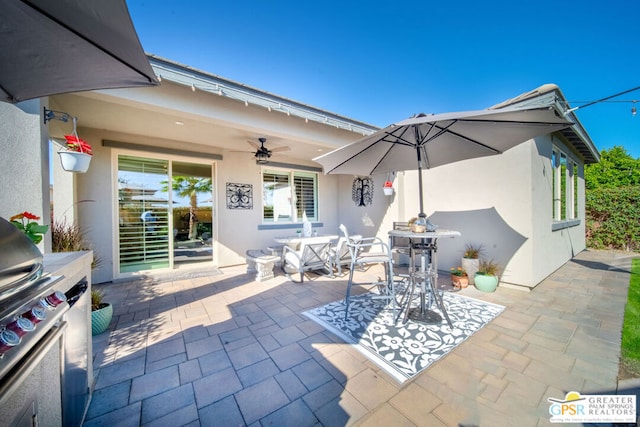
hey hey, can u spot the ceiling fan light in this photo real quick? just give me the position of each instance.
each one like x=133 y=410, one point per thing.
x=262 y=157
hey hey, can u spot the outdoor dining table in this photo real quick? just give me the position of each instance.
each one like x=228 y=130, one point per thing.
x=423 y=245
x=294 y=241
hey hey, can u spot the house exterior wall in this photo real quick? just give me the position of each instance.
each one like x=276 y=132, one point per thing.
x=554 y=247
x=24 y=162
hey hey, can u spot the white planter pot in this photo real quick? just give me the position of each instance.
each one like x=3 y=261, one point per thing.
x=471 y=266
x=388 y=191
x=74 y=161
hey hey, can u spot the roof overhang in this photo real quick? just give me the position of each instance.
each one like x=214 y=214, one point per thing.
x=550 y=95
x=199 y=80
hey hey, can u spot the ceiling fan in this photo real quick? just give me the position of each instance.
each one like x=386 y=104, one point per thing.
x=263 y=154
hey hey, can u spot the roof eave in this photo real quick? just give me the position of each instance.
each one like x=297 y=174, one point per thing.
x=200 y=80
x=550 y=95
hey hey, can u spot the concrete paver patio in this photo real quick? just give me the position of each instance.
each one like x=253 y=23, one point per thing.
x=225 y=350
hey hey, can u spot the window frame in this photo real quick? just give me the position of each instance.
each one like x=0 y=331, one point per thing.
x=293 y=174
x=565 y=190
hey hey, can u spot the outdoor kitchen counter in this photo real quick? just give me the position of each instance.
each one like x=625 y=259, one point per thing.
x=73 y=265
x=77 y=378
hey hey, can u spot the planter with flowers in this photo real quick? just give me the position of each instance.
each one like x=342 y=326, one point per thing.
x=459 y=278
x=26 y=222
x=388 y=188
x=486 y=279
x=101 y=313
x=77 y=156
x=471 y=260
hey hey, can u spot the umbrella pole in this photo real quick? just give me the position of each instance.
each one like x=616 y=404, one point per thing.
x=421 y=214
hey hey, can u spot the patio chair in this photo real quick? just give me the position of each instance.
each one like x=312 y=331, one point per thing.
x=339 y=253
x=310 y=257
x=365 y=252
x=400 y=245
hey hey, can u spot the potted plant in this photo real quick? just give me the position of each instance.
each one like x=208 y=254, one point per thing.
x=388 y=188
x=471 y=260
x=26 y=222
x=101 y=313
x=459 y=278
x=486 y=278
x=77 y=156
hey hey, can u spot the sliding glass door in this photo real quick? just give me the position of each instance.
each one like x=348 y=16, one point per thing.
x=143 y=214
x=164 y=213
x=192 y=213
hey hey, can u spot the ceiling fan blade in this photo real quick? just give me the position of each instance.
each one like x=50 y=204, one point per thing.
x=278 y=149
x=254 y=144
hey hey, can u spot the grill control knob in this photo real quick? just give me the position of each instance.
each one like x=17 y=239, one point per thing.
x=35 y=314
x=55 y=299
x=8 y=340
x=21 y=326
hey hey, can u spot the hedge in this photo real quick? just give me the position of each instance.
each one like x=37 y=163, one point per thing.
x=613 y=218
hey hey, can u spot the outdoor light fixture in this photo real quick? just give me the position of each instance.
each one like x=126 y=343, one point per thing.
x=607 y=99
x=262 y=157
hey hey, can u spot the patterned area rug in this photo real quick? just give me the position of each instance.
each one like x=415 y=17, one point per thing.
x=403 y=350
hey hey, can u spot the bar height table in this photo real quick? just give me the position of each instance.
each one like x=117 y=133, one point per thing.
x=425 y=274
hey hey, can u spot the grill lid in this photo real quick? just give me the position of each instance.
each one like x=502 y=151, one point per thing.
x=20 y=259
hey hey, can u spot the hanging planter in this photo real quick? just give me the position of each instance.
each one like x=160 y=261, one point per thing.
x=73 y=161
x=388 y=188
x=78 y=155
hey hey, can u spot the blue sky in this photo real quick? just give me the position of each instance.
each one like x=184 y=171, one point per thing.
x=381 y=62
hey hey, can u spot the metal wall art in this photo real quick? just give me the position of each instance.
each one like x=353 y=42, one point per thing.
x=239 y=196
x=362 y=191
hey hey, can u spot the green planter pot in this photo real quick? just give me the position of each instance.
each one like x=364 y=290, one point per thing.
x=100 y=319
x=486 y=283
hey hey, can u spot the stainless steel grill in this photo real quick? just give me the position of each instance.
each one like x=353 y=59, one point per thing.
x=35 y=318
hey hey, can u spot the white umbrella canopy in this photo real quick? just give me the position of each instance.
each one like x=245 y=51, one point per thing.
x=428 y=141
x=50 y=47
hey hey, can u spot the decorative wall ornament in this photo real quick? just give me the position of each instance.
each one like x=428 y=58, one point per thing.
x=362 y=191
x=239 y=196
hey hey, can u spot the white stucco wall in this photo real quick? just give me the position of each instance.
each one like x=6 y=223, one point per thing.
x=24 y=162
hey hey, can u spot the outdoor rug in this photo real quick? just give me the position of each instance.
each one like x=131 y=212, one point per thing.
x=403 y=350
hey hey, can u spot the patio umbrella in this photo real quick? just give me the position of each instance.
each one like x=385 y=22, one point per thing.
x=51 y=47
x=427 y=141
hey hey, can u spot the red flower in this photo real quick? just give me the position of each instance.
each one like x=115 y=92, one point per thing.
x=33 y=230
x=78 y=144
x=25 y=214
x=29 y=215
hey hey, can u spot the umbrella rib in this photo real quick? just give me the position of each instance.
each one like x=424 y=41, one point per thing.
x=444 y=130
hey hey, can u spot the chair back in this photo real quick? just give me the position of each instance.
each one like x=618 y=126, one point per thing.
x=400 y=245
x=315 y=255
x=345 y=233
x=348 y=243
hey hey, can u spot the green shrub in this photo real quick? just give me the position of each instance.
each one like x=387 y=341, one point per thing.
x=613 y=218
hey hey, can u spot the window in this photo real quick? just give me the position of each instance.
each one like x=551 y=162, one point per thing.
x=575 y=191
x=289 y=196
x=565 y=187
